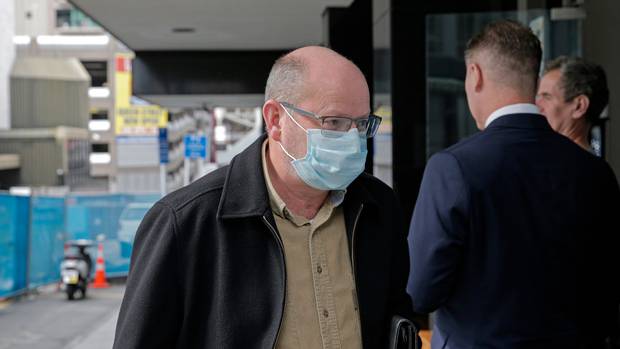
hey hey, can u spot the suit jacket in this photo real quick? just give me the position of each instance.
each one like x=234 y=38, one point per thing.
x=512 y=241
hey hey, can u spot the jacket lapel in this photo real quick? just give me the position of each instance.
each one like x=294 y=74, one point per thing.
x=245 y=192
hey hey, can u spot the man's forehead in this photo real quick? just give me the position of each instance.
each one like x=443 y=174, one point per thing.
x=332 y=84
x=552 y=75
x=338 y=101
x=551 y=80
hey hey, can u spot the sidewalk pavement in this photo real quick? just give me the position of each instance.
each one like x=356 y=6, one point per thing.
x=101 y=337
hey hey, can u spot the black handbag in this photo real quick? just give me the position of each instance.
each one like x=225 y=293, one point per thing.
x=404 y=334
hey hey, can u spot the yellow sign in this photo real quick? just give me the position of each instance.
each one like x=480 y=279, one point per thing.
x=133 y=120
x=122 y=80
x=385 y=112
x=140 y=120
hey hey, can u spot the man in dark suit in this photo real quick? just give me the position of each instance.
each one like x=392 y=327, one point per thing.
x=512 y=242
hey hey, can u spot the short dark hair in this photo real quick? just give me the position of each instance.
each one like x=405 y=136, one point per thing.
x=580 y=77
x=516 y=49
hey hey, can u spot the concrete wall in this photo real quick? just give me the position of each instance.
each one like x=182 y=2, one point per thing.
x=601 y=45
x=32 y=17
x=49 y=92
x=7 y=54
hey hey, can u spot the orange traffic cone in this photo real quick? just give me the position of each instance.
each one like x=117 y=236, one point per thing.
x=100 y=280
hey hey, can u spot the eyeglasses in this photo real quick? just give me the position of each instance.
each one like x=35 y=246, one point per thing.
x=366 y=126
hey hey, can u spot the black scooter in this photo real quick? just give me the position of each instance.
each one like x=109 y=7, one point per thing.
x=76 y=268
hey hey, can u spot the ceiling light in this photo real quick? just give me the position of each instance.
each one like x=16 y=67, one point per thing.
x=21 y=40
x=73 y=40
x=98 y=125
x=181 y=30
x=98 y=92
x=100 y=158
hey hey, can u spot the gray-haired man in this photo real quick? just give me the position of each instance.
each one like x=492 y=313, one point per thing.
x=291 y=245
x=572 y=94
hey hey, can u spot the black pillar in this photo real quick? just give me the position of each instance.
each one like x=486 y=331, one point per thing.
x=348 y=31
x=408 y=101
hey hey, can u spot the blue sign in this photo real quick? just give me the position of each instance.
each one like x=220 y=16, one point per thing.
x=163 y=145
x=195 y=146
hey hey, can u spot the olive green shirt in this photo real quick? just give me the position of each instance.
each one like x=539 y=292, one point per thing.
x=321 y=301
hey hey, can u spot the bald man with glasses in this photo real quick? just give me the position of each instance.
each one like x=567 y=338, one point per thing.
x=291 y=245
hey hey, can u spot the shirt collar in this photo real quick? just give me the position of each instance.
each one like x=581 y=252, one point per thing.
x=519 y=108
x=276 y=203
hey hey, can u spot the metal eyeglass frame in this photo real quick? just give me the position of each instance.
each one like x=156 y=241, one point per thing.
x=373 y=121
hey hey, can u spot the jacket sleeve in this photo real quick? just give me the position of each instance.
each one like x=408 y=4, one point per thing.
x=437 y=233
x=150 y=315
x=604 y=284
x=401 y=302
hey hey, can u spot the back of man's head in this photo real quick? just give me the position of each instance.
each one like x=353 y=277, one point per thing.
x=580 y=77
x=510 y=53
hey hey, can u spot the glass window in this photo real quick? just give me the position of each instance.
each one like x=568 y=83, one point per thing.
x=98 y=71
x=99 y=114
x=100 y=148
x=63 y=18
x=382 y=98
x=71 y=17
x=448 y=119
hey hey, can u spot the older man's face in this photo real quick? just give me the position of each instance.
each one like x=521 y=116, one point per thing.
x=331 y=91
x=550 y=101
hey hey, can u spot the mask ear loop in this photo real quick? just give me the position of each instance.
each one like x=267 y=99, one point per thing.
x=292 y=118
x=285 y=152
x=296 y=123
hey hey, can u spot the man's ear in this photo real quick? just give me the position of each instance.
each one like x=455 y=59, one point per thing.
x=273 y=118
x=477 y=76
x=580 y=106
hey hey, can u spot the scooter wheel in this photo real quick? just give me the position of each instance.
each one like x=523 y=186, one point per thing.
x=70 y=293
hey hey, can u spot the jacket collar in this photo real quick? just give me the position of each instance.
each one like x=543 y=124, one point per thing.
x=245 y=192
x=357 y=193
x=528 y=121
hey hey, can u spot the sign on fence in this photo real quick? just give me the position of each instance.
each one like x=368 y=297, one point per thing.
x=195 y=146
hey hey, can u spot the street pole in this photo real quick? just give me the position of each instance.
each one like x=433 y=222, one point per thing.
x=162 y=179
x=186 y=165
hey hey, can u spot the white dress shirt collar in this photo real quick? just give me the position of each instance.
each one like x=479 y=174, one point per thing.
x=520 y=108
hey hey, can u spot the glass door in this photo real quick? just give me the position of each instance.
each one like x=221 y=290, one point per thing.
x=448 y=119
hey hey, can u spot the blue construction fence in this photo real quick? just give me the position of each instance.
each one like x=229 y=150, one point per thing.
x=34 y=229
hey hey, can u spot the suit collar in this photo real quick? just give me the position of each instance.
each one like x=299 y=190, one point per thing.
x=527 y=121
x=518 y=108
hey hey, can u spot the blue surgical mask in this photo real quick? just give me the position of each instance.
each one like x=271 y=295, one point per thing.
x=331 y=163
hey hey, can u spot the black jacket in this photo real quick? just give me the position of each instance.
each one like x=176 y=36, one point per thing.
x=208 y=268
